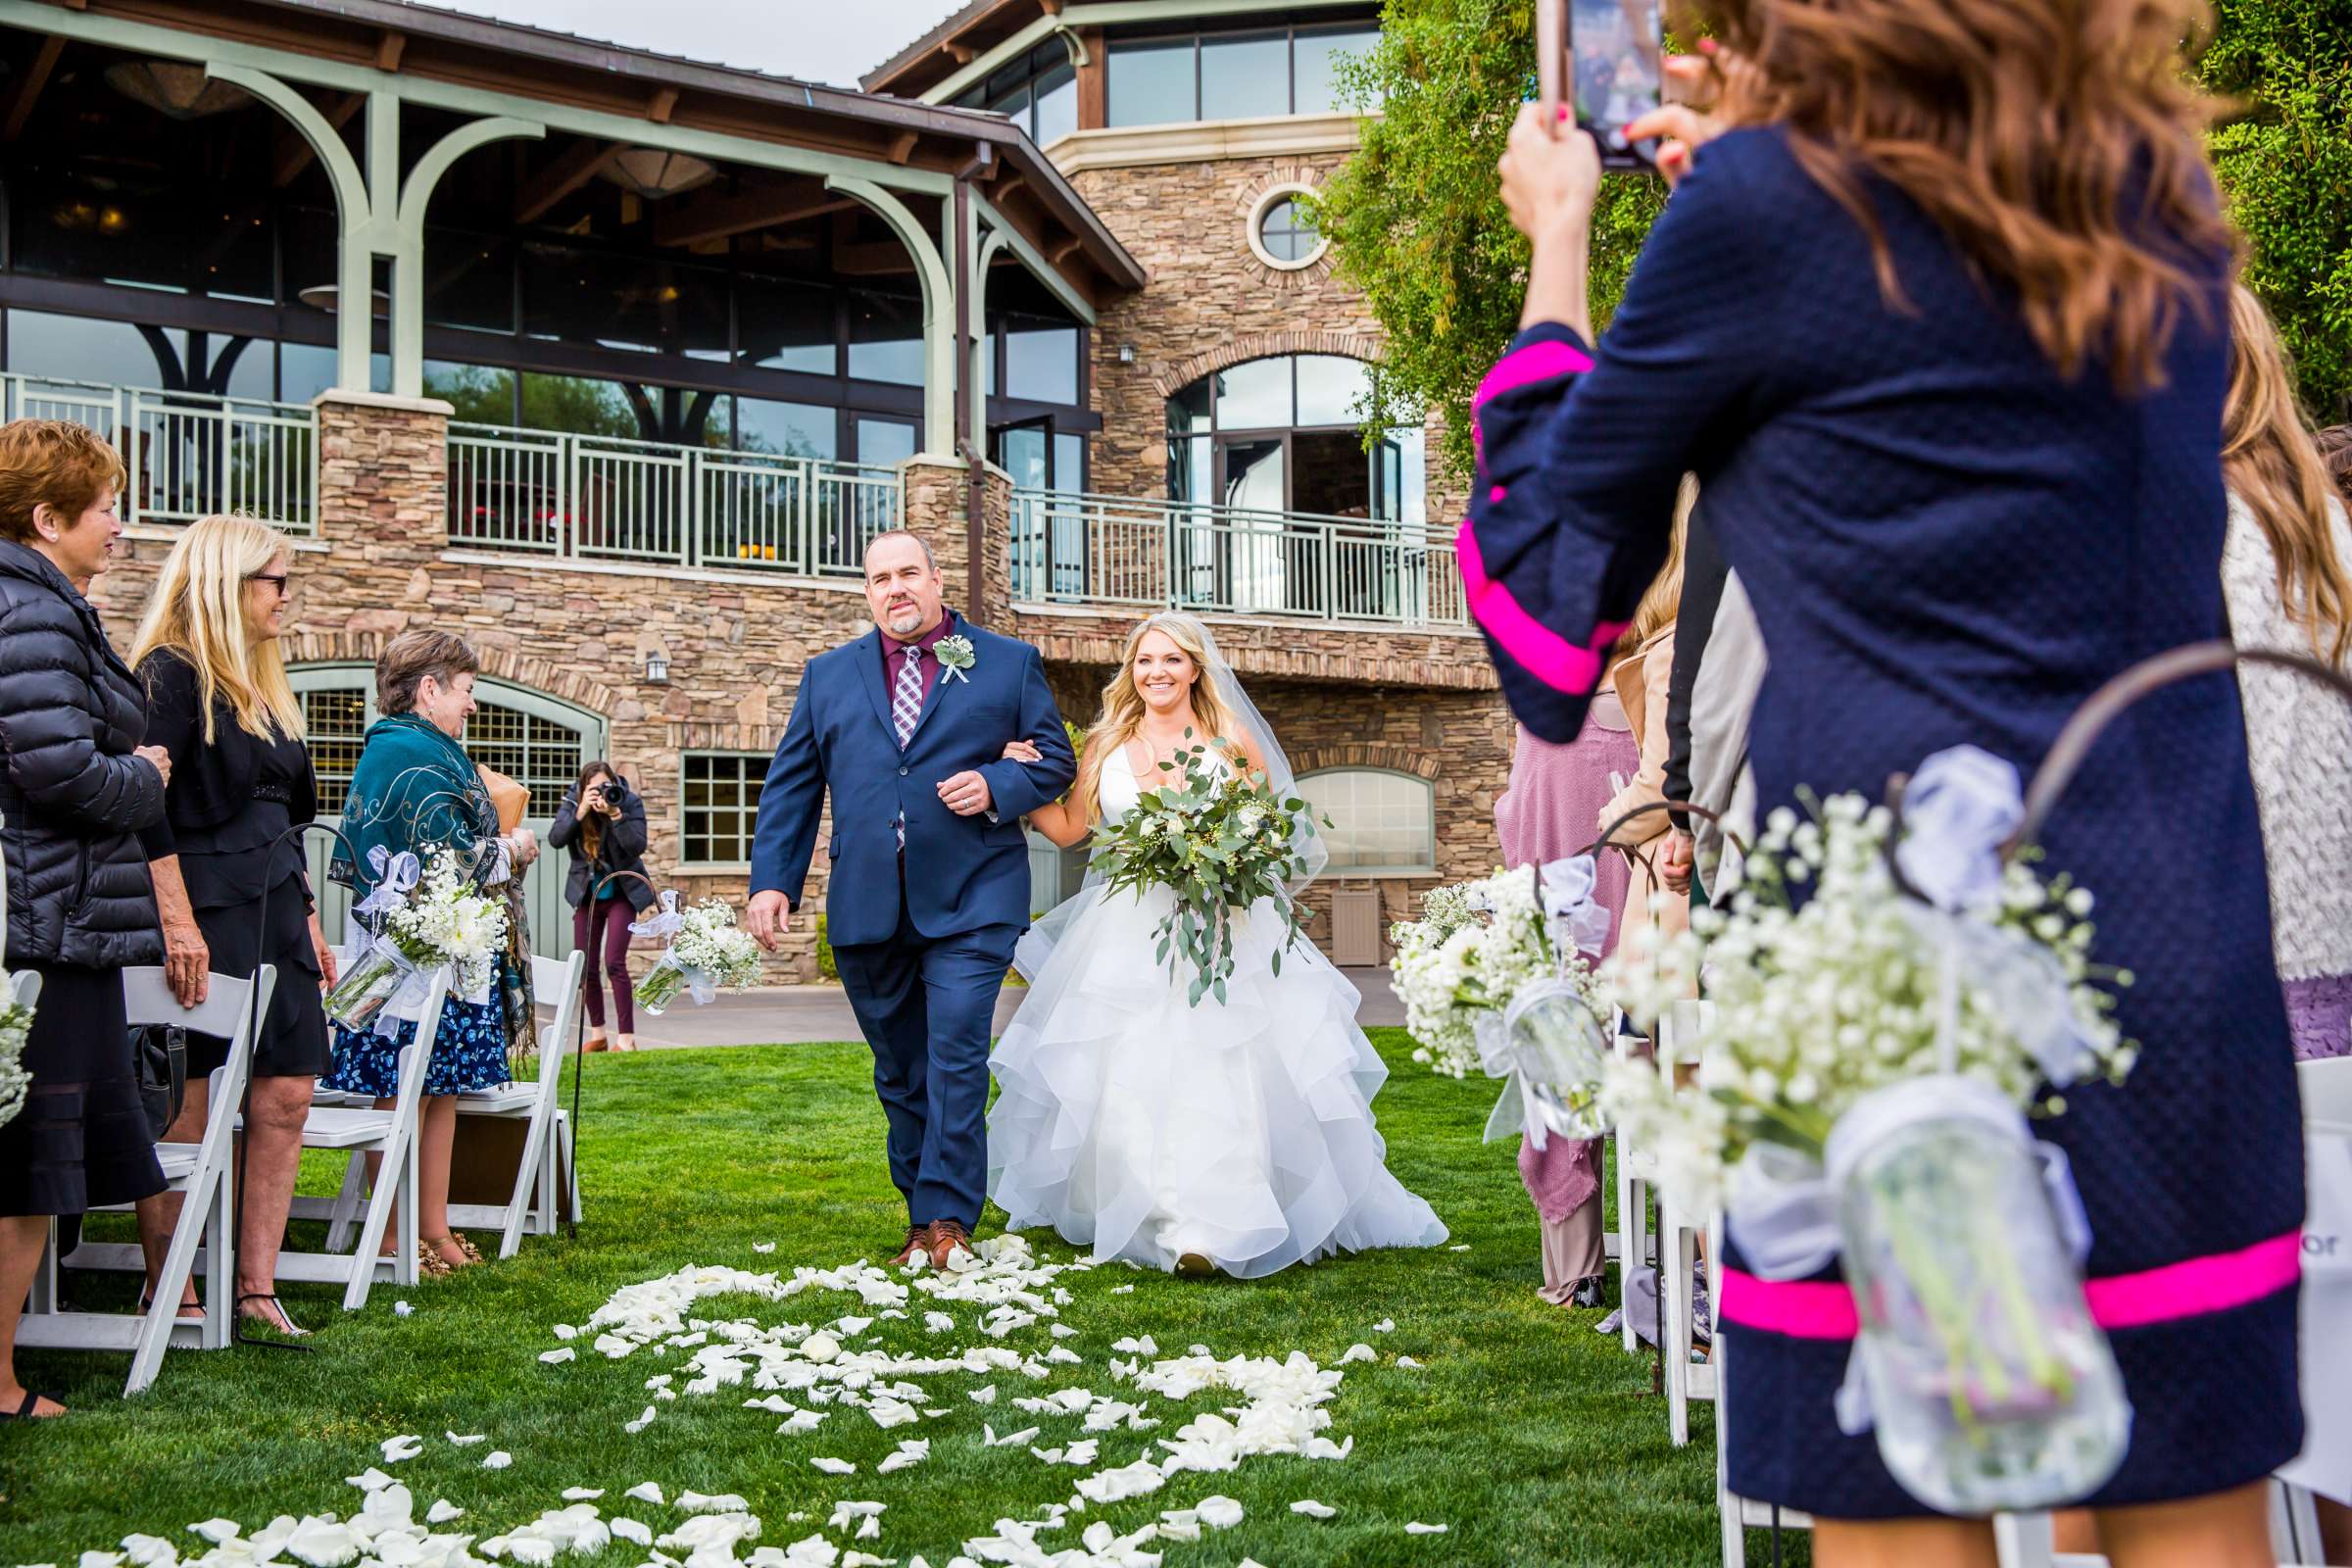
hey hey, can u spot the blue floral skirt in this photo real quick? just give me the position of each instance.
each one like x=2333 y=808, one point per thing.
x=470 y=1052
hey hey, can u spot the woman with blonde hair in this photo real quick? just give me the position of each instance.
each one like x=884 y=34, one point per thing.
x=2285 y=579
x=1937 y=312
x=230 y=886
x=1232 y=1137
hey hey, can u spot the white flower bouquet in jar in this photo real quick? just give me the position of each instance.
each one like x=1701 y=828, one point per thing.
x=1862 y=1095
x=428 y=914
x=707 y=951
x=1494 y=976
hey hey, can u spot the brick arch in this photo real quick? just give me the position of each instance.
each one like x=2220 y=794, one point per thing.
x=499 y=660
x=1420 y=765
x=1265 y=344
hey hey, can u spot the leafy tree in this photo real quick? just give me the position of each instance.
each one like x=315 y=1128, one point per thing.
x=2285 y=165
x=1418 y=223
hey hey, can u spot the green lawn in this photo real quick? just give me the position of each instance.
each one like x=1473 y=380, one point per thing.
x=1535 y=1439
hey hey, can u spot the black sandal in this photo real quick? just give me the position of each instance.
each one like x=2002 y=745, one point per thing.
x=25 y=1410
x=284 y=1329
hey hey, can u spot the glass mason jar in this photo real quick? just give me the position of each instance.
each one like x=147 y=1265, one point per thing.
x=1990 y=1387
x=663 y=983
x=1559 y=1044
x=367 y=981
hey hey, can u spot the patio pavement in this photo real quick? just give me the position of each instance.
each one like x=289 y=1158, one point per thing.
x=801 y=1014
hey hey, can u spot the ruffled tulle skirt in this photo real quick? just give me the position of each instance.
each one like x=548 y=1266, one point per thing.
x=1147 y=1129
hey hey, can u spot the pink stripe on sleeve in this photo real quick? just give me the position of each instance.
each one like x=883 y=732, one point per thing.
x=1538 y=362
x=1544 y=653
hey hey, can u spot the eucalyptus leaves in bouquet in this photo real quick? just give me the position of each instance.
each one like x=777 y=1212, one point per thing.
x=1863 y=1087
x=1221 y=841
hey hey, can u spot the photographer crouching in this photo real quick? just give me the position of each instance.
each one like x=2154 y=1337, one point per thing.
x=601 y=821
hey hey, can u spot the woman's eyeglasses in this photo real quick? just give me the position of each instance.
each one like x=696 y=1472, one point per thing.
x=282 y=581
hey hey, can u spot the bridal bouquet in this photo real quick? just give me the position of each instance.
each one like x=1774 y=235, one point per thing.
x=1220 y=843
x=707 y=951
x=1862 y=1092
x=431 y=914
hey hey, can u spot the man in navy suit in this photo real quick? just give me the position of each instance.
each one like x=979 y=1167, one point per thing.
x=907 y=727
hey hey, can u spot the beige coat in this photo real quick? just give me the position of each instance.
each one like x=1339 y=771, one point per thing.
x=1641 y=680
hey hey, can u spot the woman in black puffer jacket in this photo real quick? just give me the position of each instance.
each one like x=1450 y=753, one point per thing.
x=75 y=789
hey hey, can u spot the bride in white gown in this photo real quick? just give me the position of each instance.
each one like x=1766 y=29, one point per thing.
x=1234 y=1136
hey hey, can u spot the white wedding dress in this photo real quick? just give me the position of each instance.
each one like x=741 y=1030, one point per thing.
x=1149 y=1129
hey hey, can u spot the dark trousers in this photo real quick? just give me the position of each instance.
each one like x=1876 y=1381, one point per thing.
x=605 y=925
x=927 y=1005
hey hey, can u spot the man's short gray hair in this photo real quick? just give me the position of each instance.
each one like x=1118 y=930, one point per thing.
x=920 y=543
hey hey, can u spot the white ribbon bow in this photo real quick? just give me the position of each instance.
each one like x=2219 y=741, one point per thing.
x=665 y=921
x=1571 y=919
x=395 y=875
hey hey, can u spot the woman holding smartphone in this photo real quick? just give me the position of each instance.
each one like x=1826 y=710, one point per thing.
x=601 y=822
x=1938 y=315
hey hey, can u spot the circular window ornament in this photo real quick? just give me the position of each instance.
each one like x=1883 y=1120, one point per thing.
x=1280 y=233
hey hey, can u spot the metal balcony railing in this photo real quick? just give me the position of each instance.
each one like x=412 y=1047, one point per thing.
x=601 y=498
x=190 y=454
x=1226 y=561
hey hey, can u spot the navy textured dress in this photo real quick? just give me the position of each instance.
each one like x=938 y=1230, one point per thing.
x=1945 y=540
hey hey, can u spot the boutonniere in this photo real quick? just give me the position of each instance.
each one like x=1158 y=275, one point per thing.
x=955 y=657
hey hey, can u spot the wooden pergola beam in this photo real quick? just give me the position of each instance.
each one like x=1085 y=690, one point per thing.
x=388 y=50
x=573 y=167
x=29 y=90
x=713 y=218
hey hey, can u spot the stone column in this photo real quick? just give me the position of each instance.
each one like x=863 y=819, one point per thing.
x=383 y=502
x=935 y=511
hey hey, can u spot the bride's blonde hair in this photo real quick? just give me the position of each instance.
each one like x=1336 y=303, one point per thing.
x=1123 y=708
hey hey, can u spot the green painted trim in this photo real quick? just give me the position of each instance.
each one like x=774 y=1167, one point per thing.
x=1072 y=301
x=173 y=44
x=939 y=308
x=408 y=261
x=1112 y=13
x=982 y=255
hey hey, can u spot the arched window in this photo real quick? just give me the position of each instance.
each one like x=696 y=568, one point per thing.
x=1384 y=823
x=1284 y=434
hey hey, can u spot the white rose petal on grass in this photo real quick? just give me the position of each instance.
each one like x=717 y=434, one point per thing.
x=1464 y=1247
x=1219 y=1512
x=217 y=1530
x=632 y=1428
x=402 y=1309
x=1357 y=1352
x=1011 y=1440
x=632 y=1529
x=721 y=1503
x=1122 y=1290
x=582 y=1494
x=911 y=1451
x=835 y=1467
x=820 y=1348
x=323 y=1544
x=370 y=1480
x=467 y=1439
x=645 y=1491
x=1313 y=1509
x=497 y=1459
x=1387 y=1325
x=802 y=1422
x=556 y=1357
x=1063 y=1331
x=763 y=1247
x=149 y=1551
x=1417 y=1528
x=1408 y=1362
x=442 y=1512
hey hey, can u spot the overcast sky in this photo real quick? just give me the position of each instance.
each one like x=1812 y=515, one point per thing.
x=814 y=40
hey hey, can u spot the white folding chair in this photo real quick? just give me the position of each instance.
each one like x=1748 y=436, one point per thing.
x=541 y=1174
x=1680 y=1233
x=356 y=1132
x=202 y=1172
x=1635 y=1168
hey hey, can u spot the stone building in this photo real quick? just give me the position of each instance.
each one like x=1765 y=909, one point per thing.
x=654 y=346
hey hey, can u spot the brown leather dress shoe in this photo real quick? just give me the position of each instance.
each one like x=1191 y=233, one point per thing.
x=948 y=1237
x=918 y=1240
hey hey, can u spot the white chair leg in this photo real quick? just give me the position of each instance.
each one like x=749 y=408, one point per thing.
x=2294 y=1524
x=1632 y=1240
x=2023 y=1540
x=403 y=1267
x=171 y=1282
x=529 y=1184
x=345 y=1217
x=43 y=1298
x=1677 y=1251
x=220 y=1261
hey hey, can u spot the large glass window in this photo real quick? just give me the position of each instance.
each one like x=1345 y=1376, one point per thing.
x=1041 y=361
x=1038 y=92
x=885 y=442
x=886 y=338
x=1382 y=823
x=335 y=724
x=1230 y=75
x=470 y=281
x=578 y=404
x=720 y=804
x=479 y=394
x=786 y=326
x=623 y=301
x=787 y=429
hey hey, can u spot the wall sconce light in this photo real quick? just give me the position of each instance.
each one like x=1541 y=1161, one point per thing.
x=656 y=669
x=1126 y=353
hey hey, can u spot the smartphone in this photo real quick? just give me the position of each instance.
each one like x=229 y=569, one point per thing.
x=1616 y=52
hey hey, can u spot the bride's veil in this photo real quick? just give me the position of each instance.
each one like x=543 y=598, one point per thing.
x=1306 y=845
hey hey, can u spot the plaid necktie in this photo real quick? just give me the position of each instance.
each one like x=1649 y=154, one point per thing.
x=906 y=706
